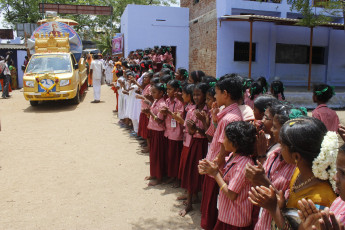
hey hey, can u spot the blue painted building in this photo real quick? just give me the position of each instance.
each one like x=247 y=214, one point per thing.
x=279 y=50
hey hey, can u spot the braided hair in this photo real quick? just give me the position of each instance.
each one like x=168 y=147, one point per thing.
x=255 y=89
x=277 y=88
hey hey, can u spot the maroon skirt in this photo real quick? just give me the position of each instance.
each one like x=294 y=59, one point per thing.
x=255 y=215
x=157 y=153
x=183 y=160
x=223 y=226
x=173 y=159
x=191 y=179
x=209 y=211
x=143 y=123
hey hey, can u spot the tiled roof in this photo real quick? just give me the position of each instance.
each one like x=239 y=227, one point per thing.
x=12 y=46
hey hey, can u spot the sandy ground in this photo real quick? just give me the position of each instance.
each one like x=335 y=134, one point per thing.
x=72 y=167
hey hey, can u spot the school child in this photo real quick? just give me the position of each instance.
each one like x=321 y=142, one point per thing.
x=260 y=105
x=143 y=70
x=277 y=90
x=278 y=172
x=210 y=100
x=234 y=208
x=246 y=111
x=173 y=130
x=165 y=71
x=334 y=218
x=191 y=179
x=109 y=66
x=125 y=91
x=181 y=74
x=116 y=75
x=187 y=95
x=322 y=94
x=228 y=92
x=134 y=106
x=165 y=79
x=143 y=119
x=159 y=61
x=303 y=142
x=247 y=82
x=255 y=91
x=263 y=82
x=167 y=57
x=156 y=135
x=168 y=66
x=196 y=77
x=120 y=84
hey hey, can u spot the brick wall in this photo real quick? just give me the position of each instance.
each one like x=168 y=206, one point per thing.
x=202 y=35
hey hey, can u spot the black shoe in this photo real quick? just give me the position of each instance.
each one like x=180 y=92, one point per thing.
x=95 y=101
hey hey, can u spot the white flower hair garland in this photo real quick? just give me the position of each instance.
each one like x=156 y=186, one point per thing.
x=324 y=166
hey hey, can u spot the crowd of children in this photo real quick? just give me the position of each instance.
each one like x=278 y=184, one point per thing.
x=257 y=161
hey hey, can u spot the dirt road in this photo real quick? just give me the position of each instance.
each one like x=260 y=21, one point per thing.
x=71 y=167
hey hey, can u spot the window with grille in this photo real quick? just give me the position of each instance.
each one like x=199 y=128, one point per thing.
x=241 y=51
x=299 y=54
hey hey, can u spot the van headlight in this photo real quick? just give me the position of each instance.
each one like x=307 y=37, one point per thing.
x=65 y=82
x=30 y=84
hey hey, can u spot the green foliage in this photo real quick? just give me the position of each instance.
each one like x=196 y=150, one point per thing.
x=16 y=11
x=103 y=42
x=27 y=11
x=310 y=18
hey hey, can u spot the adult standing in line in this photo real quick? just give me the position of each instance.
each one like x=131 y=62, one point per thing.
x=96 y=72
x=5 y=72
x=89 y=60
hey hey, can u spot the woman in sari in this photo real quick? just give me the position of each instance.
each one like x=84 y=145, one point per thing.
x=306 y=143
x=89 y=60
x=13 y=71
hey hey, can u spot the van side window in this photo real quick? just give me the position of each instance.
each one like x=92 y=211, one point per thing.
x=73 y=60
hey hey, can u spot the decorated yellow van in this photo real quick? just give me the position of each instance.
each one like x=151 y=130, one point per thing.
x=56 y=70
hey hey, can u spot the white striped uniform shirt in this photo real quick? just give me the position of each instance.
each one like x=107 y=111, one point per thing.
x=238 y=212
x=279 y=172
x=338 y=207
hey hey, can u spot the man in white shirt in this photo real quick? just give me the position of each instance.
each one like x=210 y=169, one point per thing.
x=5 y=72
x=96 y=72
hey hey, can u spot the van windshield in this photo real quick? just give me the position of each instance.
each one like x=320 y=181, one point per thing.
x=52 y=63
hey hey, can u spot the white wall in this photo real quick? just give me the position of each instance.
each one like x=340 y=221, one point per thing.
x=141 y=29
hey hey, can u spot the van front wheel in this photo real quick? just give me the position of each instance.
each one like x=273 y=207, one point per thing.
x=34 y=103
x=76 y=99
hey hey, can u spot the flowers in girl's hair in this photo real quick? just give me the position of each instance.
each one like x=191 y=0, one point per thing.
x=324 y=166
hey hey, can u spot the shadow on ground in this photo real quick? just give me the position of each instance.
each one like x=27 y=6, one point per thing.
x=154 y=223
x=54 y=106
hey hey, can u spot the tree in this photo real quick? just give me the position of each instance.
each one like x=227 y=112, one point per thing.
x=103 y=43
x=27 y=11
x=310 y=18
